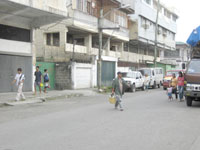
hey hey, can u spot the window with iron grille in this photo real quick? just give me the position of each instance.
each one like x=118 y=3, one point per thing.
x=53 y=39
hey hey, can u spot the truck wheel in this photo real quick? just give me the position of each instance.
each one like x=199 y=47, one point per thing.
x=189 y=101
x=133 y=88
x=154 y=85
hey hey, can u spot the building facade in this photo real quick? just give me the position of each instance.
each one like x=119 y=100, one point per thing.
x=142 y=37
x=75 y=42
x=179 y=57
x=18 y=21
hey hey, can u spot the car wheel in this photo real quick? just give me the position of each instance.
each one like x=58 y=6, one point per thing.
x=158 y=85
x=143 y=87
x=189 y=101
x=164 y=88
x=154 y=85
x=133 y=88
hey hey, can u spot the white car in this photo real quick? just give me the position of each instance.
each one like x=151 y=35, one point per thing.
x=134 y=79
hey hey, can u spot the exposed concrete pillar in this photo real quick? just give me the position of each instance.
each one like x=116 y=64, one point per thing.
x=63 y=38
x=107 y=47
x=121 y=49
x=88 y=43
x=33 y=48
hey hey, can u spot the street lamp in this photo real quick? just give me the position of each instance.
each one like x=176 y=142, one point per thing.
x=100 y=30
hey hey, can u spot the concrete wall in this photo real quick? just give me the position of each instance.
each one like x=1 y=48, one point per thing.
x=63 y=77
x=16 y=47
x=55 y=53
x=54 y=6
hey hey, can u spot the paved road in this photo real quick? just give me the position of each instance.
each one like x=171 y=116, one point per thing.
x=149 y=122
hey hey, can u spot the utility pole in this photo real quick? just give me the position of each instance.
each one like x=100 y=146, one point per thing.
x=156 y=34
x=100 y=46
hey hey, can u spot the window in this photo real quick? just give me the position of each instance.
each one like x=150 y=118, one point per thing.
x=48 y=39
x=148 y=1
x=53 y=39
x=121 y=19
x=14 y=33
x=174 y=18
x=56 y=39
x=80 y=5
x=167 y=13
x=194 y=67
x=164 y=31
x=173 y=36
x=153 y=74
x=89 y=8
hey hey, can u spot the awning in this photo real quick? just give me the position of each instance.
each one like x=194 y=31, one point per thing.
x=23 y=15
x=194 y=37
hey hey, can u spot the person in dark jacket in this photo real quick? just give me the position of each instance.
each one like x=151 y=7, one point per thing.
x=118 y=88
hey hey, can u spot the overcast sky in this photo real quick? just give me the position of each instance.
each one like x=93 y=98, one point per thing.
x=189 y=16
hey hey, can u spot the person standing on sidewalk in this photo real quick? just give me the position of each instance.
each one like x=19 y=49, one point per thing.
x=181 y=85
x=19 y=80
x=46 y=80
x=174 y=83
x=118 y=88
x=38 y=79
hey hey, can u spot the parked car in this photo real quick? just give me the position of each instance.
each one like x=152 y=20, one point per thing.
x=155 y=76
x=168 y=77
x=134 y=79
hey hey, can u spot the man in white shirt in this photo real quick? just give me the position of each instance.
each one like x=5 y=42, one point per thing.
x=19 y=80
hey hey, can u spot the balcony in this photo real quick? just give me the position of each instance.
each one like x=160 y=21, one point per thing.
x=84 y=21
x=77 y=48
x=122 y=33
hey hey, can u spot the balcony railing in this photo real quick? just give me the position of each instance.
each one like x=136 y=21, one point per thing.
x=77 y=48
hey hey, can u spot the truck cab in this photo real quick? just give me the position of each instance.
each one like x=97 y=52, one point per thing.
x=192 y=77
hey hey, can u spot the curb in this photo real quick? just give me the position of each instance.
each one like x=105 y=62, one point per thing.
x=23 y=102
x=32 y=100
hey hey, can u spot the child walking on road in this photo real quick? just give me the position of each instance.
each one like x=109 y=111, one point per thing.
x=19 y=80
x=169 y=92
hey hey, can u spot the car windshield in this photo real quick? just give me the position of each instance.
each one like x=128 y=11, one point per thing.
x=194 y=67
x=145 y=72
x=129 y=75
x=170 y=73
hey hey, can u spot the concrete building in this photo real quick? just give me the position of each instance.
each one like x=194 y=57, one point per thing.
x=179 y=57
x=74 y=42
x=140 y=49
x=18 y=21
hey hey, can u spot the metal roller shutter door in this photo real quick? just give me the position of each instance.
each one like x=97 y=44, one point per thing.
x=83 y=78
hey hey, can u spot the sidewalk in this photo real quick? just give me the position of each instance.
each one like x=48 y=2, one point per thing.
x=9 y=98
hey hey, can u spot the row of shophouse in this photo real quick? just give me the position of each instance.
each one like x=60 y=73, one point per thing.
x=63 y=37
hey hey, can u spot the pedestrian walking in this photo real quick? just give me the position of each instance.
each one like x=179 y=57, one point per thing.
x=181 y=86
x=174 y=83
x=38 y=79
x=46 y=80
x=118 y=88
x=19 y=80
x=169 y=92
x=146 y=82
